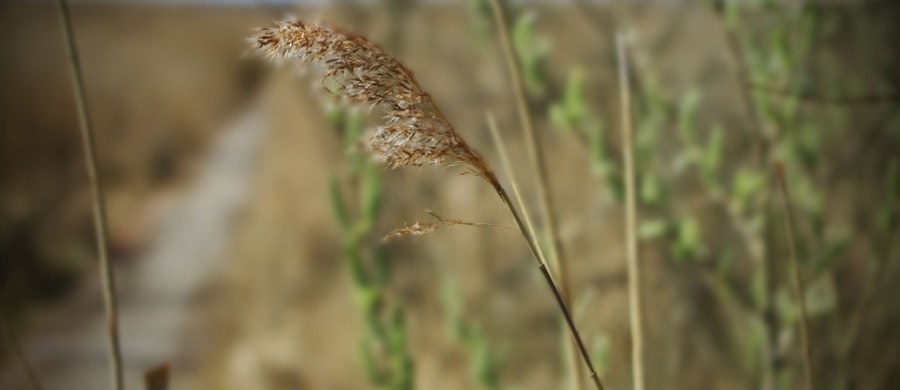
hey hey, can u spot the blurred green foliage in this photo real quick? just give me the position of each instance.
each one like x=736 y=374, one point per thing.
x=485 y=360
x=705 y=182
x=531 y=52
x=677 y=152
x=383 y=349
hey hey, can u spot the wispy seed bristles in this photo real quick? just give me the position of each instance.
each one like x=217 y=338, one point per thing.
x=415 y=132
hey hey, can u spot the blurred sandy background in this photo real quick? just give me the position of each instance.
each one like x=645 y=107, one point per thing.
x=216 y=168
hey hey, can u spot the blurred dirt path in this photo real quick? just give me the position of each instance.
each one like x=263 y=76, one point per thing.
x=159 y=293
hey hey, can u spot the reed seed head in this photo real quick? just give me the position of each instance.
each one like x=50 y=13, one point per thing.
x=423 y=228
x=415 y=132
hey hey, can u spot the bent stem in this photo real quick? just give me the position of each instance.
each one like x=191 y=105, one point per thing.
x=795 y=273
x=538 y=258
x=539 y=167
x=99 y=210
x=550 y=283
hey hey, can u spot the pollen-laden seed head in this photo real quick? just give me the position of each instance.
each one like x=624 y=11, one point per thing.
x=415 y=132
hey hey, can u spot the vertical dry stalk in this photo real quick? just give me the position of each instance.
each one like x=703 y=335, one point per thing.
x=540 y=170
x=99 y=210
x=536 y=155
x=507 y=169
x=560 y=301
x=634 y=276
x=795 y=274
x=416 y=133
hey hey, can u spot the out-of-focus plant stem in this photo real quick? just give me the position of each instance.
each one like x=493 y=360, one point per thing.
x=529 y=237
x=634 y=276
x=539 y=168
x=99 y=208
x=799 y=289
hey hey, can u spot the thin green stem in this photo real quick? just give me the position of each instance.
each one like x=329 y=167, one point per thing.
x=99 y=210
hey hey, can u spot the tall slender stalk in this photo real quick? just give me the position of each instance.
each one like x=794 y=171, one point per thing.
x=416 y=133
x=634 y=276
x=528 y=235
x=539 y=167
x=99 y=210
x=795 y=274
x=507 y=168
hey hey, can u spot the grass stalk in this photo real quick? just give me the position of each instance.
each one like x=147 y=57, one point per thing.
x=797 y=279
x=528 y=235
x=99 y=210
x=635 y=308
x=536 y=155
x=419 y=134
x=539 y=167
x=507 y=169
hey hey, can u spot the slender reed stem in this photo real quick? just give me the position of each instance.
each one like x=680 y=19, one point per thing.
x=795 y=274
x=99 y=211
x=539 y=167
x=634 y=271
x=536 y=155
x=16 y=350
x=528 y=235
x=507 y=168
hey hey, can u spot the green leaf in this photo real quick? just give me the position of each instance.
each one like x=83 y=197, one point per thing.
x=530 y=52
x=370 y=365
x=837 y=241
x=732 y=14
x=383 y=266
x=559 y=119
x=687 y=243
x=712 y=157
x=371 y=193
x=601 y=352
x=576 y=109
x=650 y=191
x=687 y=116
x=758 y=289
x=338 y=209
x=354 y=123
x=821 y=296
x=599 y=155
x=334 y=114
x=747 y=184
x=398 y=330
x=652 y=229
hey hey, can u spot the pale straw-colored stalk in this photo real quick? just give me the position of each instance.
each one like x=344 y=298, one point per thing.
x=635 y=308
x=539 y=168
x=99 y=207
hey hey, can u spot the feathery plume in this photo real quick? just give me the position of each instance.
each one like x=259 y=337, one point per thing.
x=415 y=132
x=421 y=229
